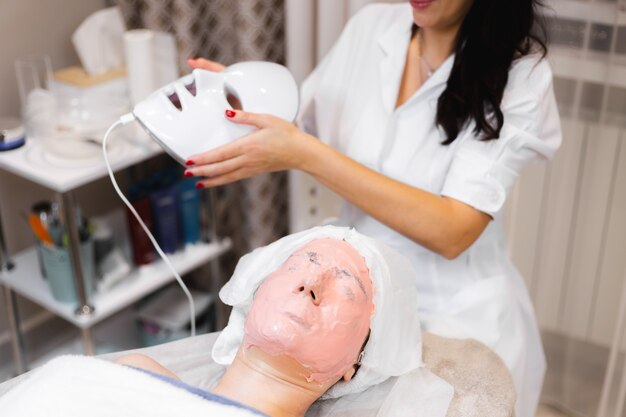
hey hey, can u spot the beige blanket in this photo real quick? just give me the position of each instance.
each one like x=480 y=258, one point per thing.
x=483 y=385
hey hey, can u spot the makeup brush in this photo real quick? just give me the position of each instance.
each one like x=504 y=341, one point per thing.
x=38 y=228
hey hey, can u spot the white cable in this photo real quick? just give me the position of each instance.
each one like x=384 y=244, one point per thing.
x=124 y=120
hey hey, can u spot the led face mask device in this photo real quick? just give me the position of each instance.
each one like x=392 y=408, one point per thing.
x=186 y=117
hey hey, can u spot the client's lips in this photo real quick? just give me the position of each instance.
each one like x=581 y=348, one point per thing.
x=299 y=320
x=421 y=4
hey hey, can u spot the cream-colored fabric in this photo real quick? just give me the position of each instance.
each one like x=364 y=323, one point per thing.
x=482 y=384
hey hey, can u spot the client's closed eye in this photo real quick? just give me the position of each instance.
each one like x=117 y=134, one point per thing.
x=349 y=293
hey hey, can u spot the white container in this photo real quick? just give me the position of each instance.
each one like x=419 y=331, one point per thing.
x=166 y=317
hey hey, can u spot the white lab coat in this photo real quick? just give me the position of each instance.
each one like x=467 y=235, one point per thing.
x=348 y=102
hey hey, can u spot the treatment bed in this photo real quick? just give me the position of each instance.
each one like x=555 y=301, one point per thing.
x=482 y=384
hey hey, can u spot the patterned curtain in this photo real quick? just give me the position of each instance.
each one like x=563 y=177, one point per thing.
x=252 y=212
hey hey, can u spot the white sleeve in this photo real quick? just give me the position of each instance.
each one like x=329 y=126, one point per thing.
x=483 y=172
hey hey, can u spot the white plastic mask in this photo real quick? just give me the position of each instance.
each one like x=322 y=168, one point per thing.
x=186 y=117
x=316 y=308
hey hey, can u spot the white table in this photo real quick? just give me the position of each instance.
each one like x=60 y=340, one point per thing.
x=129 y=146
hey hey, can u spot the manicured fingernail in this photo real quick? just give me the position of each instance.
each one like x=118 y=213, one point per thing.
x=199 y=185
x=188 y=174
x=189 y=162
x=230 y=113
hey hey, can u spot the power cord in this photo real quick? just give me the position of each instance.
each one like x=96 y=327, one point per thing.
x=124 y=120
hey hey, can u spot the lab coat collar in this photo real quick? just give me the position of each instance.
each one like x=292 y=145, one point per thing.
x=439 y=77
x=390 y=39
x=394 y=43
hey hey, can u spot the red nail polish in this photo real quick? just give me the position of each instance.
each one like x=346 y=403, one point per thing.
x=230 y=113
x=188 y=174
x=199 y=185
x=189 y=162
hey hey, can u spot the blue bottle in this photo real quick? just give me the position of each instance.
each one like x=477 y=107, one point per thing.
x=189 y=209
x=165 y=217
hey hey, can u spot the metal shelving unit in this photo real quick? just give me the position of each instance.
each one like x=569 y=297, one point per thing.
x=21 y=274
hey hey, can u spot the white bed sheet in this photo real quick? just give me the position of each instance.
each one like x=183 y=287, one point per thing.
x=482 y=384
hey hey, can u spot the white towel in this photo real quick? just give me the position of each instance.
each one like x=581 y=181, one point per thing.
x=79 y=386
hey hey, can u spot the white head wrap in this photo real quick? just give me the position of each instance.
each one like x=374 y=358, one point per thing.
x=395 y=343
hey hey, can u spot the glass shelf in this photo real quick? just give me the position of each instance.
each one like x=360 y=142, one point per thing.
x=26 y=280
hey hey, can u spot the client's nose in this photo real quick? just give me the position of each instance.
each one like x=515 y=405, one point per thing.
x=311 y=291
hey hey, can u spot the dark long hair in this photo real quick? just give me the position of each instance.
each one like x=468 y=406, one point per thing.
x=493 y=34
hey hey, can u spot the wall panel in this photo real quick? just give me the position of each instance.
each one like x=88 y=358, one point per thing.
x=556 y=226
x=612 y=264
x=586 y=242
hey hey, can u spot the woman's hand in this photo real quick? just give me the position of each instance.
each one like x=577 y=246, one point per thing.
x=277 y=145
x=205 y=64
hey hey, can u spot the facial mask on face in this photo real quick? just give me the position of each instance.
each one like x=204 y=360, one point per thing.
x=315 y=308
x=394 y=344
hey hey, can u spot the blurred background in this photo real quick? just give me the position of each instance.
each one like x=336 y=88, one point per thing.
x=566 y=221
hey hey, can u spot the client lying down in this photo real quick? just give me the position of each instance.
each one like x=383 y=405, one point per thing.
x=306 y=326
x=322 y=313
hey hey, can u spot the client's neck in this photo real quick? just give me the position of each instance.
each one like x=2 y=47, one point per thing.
x=272 y=385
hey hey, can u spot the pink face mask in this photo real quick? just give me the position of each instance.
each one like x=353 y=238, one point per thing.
x=316 y=308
